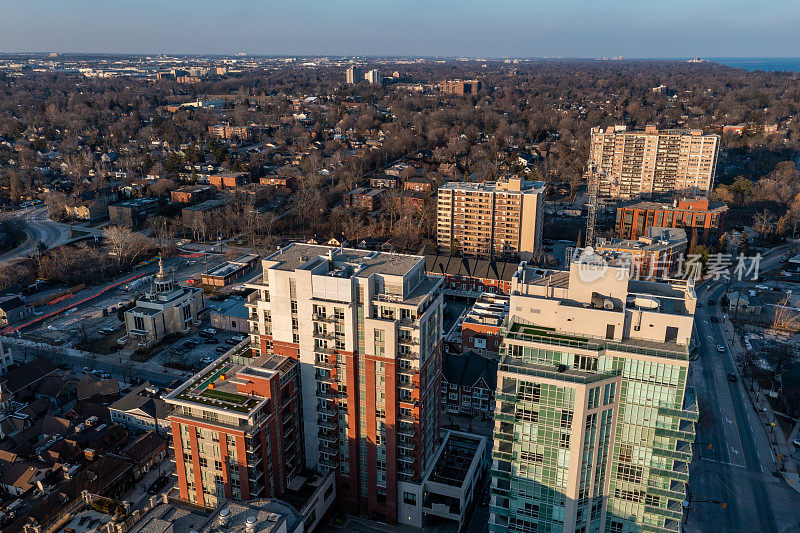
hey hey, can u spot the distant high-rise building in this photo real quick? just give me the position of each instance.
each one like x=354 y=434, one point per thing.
x=354 y=75
x=593 y=420
x=366 y=330
x=491 y=219
x=653 y=161
x=373 y=77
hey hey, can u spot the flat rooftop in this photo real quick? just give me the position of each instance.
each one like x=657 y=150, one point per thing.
x=453 y=463
x=216 y=386
x=492 y=186
x=348 y=262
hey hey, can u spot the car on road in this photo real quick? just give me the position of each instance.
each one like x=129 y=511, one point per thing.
x=86 y=369
x=721 y=348
x=157 y=485
x=715 y=320
x=711 y=302
x=699 y=303
x=732 y=377
x=796 y=443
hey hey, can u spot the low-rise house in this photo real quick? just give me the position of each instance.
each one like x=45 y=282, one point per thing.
x=468 y=383
x=12 y=309
x=142 y=409
x=146 y=452
x=744 y=302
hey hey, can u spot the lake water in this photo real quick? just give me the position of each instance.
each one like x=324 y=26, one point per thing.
x=789 y=64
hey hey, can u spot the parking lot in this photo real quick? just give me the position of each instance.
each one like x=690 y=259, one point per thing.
x=200 y=348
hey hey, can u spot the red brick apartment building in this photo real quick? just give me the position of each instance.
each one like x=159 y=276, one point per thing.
x=366 y=327
x=418 y=184
x=384 y=181
x=635 y=220
x=363 y=199
x=228 y=180
x=236 y=428
x=192 y=194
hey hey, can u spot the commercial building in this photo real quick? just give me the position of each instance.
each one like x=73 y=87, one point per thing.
x=373 y=77
x=133 y=213
x=236 y=428
x=693 y=214
x=167 y=308
x=229 y=271
x=461 y=87
x=491 y=219
x=641 y=163
x=230 y=315
x=366 y=329
x=354 y=75
x=657 y=255
x=593 y=420
x=193 y=194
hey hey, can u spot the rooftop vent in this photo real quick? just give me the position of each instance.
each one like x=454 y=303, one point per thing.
x=223 y=517
x=250 y=524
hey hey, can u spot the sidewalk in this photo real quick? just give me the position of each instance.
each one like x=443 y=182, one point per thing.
x=779 y=444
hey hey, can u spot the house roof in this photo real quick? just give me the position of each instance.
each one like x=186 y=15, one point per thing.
x=11 y=302
x=143 y=447
x=139 y=400
x=28 y=374
x=468 y=368
x=90 y=386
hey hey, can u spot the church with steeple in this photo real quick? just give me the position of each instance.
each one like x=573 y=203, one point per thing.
x=166 y=308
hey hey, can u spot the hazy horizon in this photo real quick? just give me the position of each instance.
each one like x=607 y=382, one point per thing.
x=572 y=29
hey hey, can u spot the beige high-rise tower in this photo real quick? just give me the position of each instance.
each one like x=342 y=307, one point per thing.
x=653 y=161
x=491 y=219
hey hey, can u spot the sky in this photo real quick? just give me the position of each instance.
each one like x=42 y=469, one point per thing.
x=499 y=28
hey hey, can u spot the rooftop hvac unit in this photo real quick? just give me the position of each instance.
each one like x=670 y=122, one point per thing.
x=250 y=524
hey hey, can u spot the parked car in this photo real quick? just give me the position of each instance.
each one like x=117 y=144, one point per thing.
x=732 y=377
x=238 y=338
x=721 y=348
x=208 y=332
x=220 y=349
x=232 y=341
x=211 y=340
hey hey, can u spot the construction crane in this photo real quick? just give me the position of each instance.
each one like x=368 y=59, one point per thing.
x=593 y=180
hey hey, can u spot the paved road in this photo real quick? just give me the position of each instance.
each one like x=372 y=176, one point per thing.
x=739 y=466
x=38 y=227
